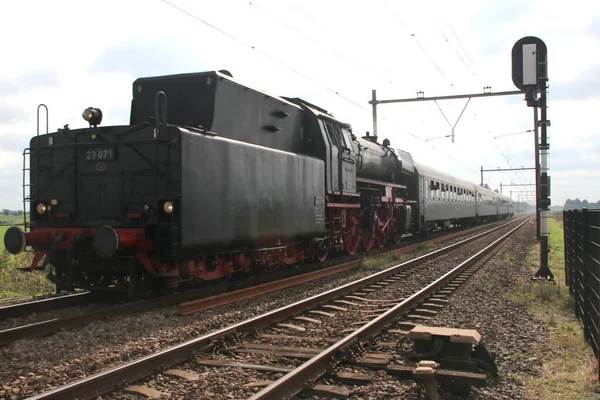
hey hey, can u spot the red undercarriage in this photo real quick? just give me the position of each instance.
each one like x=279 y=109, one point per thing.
x=134 y=244
x=343 y=224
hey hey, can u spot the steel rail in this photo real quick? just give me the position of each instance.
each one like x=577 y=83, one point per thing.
x=106 y=381
x=42 y=305
x=230 y=297
x=273 y=283
x=226 y=298
x=293 y=382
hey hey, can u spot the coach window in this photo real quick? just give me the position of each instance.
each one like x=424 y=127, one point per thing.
x=346 y=136
x=335 y=134
x=329 y=129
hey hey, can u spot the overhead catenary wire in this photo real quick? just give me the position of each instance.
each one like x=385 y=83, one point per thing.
x=319 y=43
x=456 y=52
x=280 y=63
x=442 y=152
x=460 y=43
x=430 y=58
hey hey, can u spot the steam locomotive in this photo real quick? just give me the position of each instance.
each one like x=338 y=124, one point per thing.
x=213 y=178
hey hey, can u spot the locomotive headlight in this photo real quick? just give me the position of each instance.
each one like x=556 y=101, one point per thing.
x=92 y=115
x=168 y=207
x=41 y=208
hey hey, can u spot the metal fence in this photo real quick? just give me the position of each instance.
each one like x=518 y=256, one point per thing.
x=582 y=269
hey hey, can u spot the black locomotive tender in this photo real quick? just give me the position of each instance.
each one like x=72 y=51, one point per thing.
x=212 y=178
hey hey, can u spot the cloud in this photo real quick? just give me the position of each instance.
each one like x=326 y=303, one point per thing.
x=593 y=29
x=10 y=114
x=497 y=14
x=167 y=56
x=31 y=80
x=586 y=86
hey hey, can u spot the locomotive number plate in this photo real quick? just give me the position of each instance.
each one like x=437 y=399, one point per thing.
x=100 y=154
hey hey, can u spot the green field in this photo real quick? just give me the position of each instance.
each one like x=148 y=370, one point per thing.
x=11 y=219
x=5 y=222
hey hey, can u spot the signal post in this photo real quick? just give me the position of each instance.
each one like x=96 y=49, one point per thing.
x=530 y=74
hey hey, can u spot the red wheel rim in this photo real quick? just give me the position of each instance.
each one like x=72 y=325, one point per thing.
x=352 y=241
x=321 y=255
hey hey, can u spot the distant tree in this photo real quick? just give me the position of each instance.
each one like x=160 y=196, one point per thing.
x=5 y=211
x=579 y=204
x=496 y=190
x=485 y=185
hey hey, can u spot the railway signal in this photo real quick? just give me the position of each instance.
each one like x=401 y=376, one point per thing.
x=530 y=75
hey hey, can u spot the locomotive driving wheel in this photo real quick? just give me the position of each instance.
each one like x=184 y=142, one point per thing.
x=352 y=239
x=321 y=255
x=322 y=250
x=368 y=241
x=381 y=234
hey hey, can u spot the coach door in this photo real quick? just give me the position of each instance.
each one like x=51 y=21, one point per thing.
x=343 y=159
x=423 y=191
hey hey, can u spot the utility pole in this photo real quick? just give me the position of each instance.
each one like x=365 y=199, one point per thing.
x=530 y=74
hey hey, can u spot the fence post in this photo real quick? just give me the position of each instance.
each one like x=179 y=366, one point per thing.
x=586 y=275
x=566 y=241
x=578 y=267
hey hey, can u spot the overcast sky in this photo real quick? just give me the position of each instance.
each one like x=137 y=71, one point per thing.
x=71 y=55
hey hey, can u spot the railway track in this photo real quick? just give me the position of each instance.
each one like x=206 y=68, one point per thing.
x=384 y=311
x=38 y=306
x=191 y=301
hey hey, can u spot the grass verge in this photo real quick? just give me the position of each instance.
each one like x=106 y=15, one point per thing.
x=14 y=283
x=387 y=260
x=569 y=369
